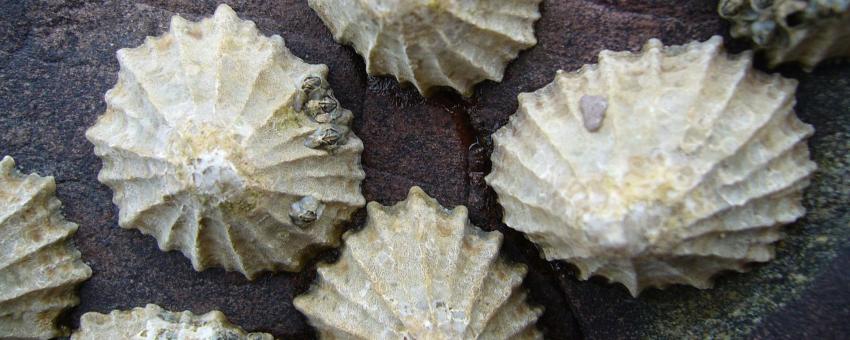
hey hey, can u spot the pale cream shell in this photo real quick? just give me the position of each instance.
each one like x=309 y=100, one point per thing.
x=432 y=43
x=152 y=323
x=420 y=271
x=698 y=161
x=805 y=31
x=205 y=150
x=40 y=268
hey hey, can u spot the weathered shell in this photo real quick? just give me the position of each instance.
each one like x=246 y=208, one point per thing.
x=433 y=43
x=213 y=136
x=153 y=322
x=420 y=271
x=806 y=31
x=39 y=266
x=698 y=161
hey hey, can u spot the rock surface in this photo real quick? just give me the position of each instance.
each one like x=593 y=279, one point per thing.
x=57 y=59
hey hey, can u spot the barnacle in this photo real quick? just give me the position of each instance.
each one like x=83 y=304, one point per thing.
x=806 y=31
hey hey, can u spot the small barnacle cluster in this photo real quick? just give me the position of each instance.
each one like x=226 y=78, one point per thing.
x=316 y=99
x=807 y=31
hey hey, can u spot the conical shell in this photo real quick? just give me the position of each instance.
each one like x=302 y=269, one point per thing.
x=657 y=168
x=433 y=43
x=420 y=271
x=806 y=31
x=153 y=322
x=214 y=139
x=39 y=266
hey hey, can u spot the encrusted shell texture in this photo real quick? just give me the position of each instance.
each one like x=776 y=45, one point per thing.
x=806 y=31
x=220 y=143
x=39 y=266
x=153 y=322
x=432 y=43
x=656 y=168
x=420 y=271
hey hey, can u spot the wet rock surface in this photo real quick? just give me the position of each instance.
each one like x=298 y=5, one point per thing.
x=57 y=59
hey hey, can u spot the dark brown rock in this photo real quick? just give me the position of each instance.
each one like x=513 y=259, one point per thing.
x=57 y=59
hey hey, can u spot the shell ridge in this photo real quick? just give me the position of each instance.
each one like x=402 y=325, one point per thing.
x=43 y=189
x=250 y=69
x=54 y=236
x=712 y=171
x=475 y=265
x=718 y=216
x=352 y=324
x=23 y=275
x=777 y=138
x=502 y=290
x=229 y=258
x=374 y=278
x=118 y=161
x=384 y=315
x=729 y=94
x=131 y=60
x=720 y=151
x=135 y=206
x=498 y=328
x=788 y=160
x=734 y=245
x=404 y=210
x=165 y=233
x=536 y=123
x=248 y=237
x=720 y=173
x=469 y=61
x=239 y=113
x=461 y=17
x=515 y=148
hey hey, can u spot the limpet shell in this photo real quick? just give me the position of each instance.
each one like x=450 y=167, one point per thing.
x=432 y=43
x=806 y=31
x=697 y=163
x=153 y=322
x=209 y=141
x=40 y=268
x=420 y=271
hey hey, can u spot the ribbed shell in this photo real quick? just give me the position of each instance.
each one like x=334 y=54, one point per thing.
x=420 y=271
x=806 y=31
x=204 y=149
x=153 y=322
x=697 y=163
x=39 y=266
x=431 y=43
